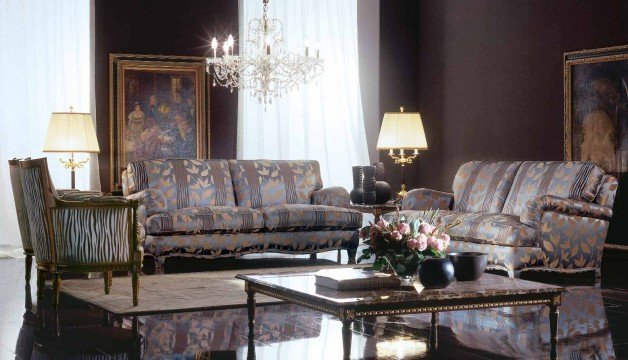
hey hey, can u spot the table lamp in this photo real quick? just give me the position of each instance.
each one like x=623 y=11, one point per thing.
x=70 y=132
x=402 y=131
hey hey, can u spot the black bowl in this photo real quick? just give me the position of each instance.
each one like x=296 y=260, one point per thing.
x=468 y=266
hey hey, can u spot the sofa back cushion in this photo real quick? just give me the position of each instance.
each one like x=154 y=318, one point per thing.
x=567 y=179
x=259 y=183
x=482 y=186
x=184 y=182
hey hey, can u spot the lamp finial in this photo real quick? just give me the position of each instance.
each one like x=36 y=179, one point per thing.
x=401 y=108
x=71 y=109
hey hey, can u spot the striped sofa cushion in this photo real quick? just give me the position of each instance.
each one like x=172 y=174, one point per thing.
x=567 y=179
x=301 y=217
x=482 y=186
x=184 y=182
x=261 y=183
x=205 y=220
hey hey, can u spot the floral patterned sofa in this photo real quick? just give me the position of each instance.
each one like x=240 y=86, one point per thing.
x=525 y=214
x=224 y=208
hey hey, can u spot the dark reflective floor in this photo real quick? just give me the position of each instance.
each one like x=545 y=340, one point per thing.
x=593 y=324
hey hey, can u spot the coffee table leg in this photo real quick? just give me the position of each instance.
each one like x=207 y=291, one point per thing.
x=434 y=332
x=346 y=338
x=250 y=303
x=553 y=314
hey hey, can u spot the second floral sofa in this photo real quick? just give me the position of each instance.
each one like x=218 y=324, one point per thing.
x=224 y=208
x=525 y=214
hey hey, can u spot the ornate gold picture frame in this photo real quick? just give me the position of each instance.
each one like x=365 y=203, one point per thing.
x=158 y=108
x=596 y=107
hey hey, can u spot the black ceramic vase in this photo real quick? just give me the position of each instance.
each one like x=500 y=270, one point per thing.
x=357 y=191
x=380 y=171
x=435 y=273
x=368 y=184
x=468 y=266
x=382 y=192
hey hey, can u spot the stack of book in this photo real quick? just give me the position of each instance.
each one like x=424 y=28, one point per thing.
x=355 y=279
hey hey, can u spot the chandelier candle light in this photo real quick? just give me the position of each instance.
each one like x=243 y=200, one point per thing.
x=402 y=131
x=263 y=67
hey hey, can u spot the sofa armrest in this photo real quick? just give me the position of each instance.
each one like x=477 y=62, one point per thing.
x=538 y=205
x=332 y=196
x=426 y=199
x=152 y=201
x=77 y=195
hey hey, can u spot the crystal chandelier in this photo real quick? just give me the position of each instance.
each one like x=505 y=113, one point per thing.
x=263 y=67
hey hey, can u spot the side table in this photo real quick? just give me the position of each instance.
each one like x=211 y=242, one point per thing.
x=376 y=209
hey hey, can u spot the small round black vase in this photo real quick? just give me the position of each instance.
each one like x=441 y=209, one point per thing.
x=468 y=266
x=382 y=192
x=357 y=191
x=435 y=273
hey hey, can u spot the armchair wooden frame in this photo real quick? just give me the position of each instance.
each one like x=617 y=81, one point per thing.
x=47 y=242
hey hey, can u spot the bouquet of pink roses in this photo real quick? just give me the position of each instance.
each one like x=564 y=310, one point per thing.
x=400 y=246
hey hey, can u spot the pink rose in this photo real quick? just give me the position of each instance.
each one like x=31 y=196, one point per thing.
x=382 y=224
x=396 y=235
x=426 y=228
x=374 y=231
x=403 y=228
x=412 y=244
x=422 y=242
x=431 y=241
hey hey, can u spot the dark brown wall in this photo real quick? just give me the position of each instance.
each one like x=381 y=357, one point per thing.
x=165 y=27
x=399 y=78
x=488 y=77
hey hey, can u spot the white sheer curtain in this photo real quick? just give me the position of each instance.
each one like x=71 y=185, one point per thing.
x=44 y=67
x=321 y=121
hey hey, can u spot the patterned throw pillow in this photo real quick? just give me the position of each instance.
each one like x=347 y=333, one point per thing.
x=482 y=186
x=261 y=183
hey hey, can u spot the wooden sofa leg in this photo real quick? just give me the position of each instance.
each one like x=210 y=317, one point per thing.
x=160 y=262
x=29 y=265
x=108 y=278
x=313 y=257
x=351 y=253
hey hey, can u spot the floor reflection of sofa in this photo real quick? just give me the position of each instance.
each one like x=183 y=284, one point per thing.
x=187 y=335
x=583 y=329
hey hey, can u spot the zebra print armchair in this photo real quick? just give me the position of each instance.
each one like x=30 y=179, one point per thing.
x=22 y=219
x=89 y=233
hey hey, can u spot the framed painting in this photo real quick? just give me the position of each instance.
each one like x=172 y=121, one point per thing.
x=158 y=109
x=596 y=107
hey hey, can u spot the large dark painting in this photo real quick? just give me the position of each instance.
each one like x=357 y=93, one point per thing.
x=159 y=109
x=596 y=107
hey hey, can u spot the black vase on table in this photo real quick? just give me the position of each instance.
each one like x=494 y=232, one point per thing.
x=383 y=191
x=368 y=184
x=357 y=191
x=380 y=171
x=435 y=272
x=468 y=266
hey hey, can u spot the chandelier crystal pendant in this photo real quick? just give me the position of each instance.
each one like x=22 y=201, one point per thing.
x=263 y=66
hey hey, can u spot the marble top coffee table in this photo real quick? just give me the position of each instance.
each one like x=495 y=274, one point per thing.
x=349 y=305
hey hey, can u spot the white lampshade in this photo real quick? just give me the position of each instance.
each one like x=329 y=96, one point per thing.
x=71 y=132
x=402 y=130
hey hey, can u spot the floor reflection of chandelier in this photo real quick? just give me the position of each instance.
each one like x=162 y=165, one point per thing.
x=263 y=66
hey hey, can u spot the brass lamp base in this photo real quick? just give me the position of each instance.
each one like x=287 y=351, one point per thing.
x=403 y=191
